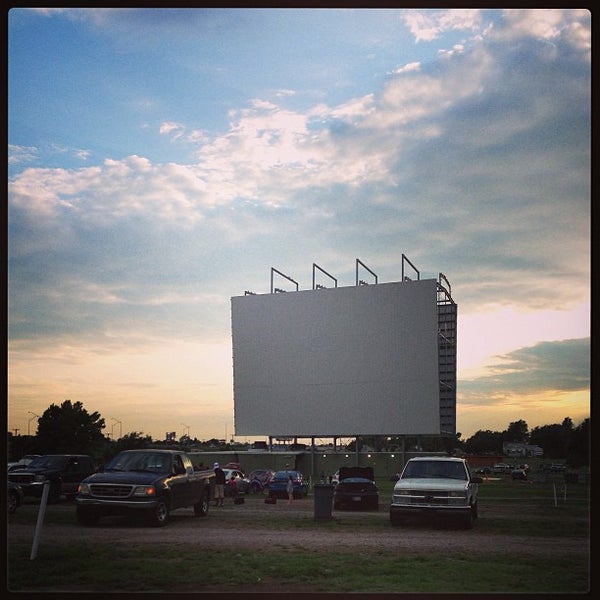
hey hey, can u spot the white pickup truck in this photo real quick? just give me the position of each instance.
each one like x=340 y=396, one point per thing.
x=434 y=486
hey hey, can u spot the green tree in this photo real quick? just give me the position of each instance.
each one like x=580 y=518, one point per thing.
x=517 y=431
x=578 y=452
x=70 y=429
x=554 y=439
x=484 y=442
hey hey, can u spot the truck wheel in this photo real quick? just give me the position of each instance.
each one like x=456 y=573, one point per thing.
x=87 y=517
x=159 y=515
x=13 y=501
x=468 y=520
x=201 y=507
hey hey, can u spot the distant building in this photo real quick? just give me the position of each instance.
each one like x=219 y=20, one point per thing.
x=521 y=449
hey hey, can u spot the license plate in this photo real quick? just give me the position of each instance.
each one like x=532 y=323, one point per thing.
x=356 y=498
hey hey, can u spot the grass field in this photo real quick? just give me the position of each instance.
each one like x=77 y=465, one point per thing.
x=547 y=512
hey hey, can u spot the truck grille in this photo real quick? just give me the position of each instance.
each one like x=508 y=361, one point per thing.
x=110 y=490
x=439 y=498
x=21 y=479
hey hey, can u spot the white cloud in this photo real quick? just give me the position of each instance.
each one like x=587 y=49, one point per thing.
x=464 y=160
x=544 y=23
x=495 y=330
x=428 y=25
x=414 y=66
x=21 y=154
x=171 y=128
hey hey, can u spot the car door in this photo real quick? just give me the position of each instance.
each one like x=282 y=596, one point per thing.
x=76 y=469
x=180 y=484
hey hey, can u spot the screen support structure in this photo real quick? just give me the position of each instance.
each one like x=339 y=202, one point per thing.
x=360 y=281
x=274 y=289
x=316 y=286
x=406 y=277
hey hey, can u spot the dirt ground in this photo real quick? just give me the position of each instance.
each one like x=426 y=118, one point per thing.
x=223 y=528
x=237 y=527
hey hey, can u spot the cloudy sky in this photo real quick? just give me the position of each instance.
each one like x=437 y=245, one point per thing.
x=163 y=161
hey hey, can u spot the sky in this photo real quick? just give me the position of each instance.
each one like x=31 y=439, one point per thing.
x=162 y=161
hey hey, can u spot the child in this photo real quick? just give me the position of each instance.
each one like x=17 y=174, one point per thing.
x=233 y=487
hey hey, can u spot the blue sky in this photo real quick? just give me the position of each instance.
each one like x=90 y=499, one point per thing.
x=162 y=161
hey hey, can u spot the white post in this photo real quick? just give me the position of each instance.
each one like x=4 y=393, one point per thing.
x=40 y=520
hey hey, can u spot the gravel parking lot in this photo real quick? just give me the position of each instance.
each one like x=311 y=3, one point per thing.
x=235 y=527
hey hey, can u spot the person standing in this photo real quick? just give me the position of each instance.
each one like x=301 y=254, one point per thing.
x=290 y=489
x=232 y=486
x=219 y=484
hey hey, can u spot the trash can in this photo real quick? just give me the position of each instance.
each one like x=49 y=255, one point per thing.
x=323 y=500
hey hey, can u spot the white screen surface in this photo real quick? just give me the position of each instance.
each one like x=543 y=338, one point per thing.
x=337 y=362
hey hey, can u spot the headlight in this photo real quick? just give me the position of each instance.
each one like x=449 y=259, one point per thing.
x=39 y=478
x=83 y=488
x=144 y=490
x=402 y=493
x=456 y=494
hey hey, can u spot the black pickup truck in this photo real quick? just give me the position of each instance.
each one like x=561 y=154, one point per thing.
x=62 y=472
x=151 y=483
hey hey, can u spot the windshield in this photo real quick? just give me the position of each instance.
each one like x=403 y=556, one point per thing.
x=434 y=469
x=48 y=462
x=286 y=475
x=140 y=461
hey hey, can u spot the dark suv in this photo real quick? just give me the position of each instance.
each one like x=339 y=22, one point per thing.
x=63 y=471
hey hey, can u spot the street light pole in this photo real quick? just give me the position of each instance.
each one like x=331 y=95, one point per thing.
x=31 y=419
x=116 y=422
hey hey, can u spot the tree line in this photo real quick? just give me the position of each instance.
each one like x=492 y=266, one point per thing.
x=69 y=428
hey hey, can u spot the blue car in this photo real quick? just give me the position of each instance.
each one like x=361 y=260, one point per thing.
x=278 y=482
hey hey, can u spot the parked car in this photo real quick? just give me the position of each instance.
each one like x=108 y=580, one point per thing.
x=236 y=466
x=277 y=484
x=14 y=497
x=259 y=478
x=63 y=471
x=149 y=483
x=22 y=462
x=501 y=468
x=242 y=483
x=435 y=486
x=263 y=475
x=519 y=474
x=260 y=445
x=356 y=489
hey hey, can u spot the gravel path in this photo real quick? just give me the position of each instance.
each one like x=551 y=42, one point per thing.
x=232 y=527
